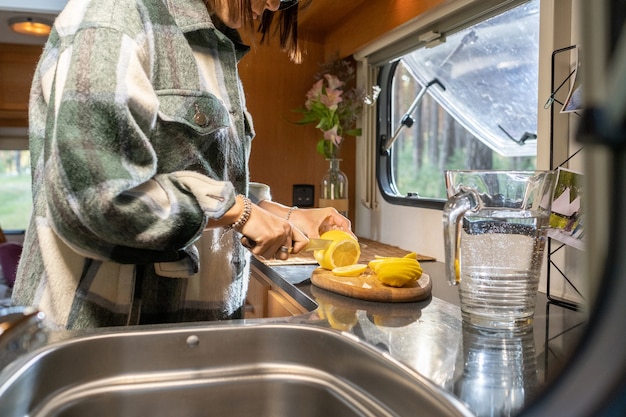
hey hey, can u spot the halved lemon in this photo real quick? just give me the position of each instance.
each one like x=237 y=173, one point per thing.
x=344 y=250
x=350 y=270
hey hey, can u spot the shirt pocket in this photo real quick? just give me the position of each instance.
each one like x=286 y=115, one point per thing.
x=200 y=111
x=193 y=130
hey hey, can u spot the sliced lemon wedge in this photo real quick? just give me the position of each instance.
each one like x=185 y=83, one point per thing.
x=344 y=250
x=350 y=270
x=410 y=255
x=396 y=272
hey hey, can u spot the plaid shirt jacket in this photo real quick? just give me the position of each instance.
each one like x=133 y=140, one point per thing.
x=138 y=135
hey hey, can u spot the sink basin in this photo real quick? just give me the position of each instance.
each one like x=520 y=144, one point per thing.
x=268 y=369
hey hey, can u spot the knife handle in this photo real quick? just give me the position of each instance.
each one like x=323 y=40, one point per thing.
x=247 y=242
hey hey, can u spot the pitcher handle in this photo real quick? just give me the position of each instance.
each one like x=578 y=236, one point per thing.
x=467 y=199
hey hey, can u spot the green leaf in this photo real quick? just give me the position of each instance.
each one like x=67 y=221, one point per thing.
x=320 y=147
x=308 y=118
x=353 y=132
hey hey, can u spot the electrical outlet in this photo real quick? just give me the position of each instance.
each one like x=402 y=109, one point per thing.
x=303 y=195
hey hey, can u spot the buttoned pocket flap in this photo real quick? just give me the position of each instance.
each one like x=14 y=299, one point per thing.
x=202 y=112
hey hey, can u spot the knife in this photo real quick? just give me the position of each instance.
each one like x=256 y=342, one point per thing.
x=314 y=244
x=317 y=244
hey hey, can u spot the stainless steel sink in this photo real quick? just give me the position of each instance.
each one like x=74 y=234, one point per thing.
x=276 y=369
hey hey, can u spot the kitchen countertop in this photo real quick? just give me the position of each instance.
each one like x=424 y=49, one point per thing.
x=494 y=372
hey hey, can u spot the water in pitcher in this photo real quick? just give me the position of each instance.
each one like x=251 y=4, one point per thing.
x=500 y=263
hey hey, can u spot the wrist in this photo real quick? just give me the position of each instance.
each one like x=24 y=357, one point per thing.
x=290 y=212
x=243 y=208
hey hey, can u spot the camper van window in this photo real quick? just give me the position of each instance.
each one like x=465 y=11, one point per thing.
x=15 y=191
x=467 y=100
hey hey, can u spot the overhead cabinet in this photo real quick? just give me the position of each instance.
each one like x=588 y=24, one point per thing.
x=17 y=66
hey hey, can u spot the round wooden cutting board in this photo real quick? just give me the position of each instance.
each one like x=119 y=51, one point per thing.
x=368 y=287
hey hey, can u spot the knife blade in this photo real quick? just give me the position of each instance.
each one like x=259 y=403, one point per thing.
x=317 y=244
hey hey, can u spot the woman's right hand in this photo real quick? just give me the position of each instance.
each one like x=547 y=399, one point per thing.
x=270 y=236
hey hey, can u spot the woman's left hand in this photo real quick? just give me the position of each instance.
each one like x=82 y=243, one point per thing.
x=316 y=221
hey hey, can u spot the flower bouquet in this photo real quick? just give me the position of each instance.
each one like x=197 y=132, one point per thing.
x=334 y=104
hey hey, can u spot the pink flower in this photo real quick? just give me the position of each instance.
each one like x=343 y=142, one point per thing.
x=332 y=109
x=332 y=98
x=333 y=82
x=332 y=136
x=314 y=93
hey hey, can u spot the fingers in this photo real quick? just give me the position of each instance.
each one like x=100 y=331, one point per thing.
x=269 y=249
x=283 y=252
x=267 y=235
x=333 y=220
x=314 y=222
x=299 y=240
x=247 y=243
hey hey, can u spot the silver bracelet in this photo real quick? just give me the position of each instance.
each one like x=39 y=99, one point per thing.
x=290 y=211
x=245 y=214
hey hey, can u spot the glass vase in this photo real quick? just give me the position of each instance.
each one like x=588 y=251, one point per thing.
x=334 y=188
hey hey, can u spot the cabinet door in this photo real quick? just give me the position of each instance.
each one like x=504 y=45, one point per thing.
x=279 y=305
x=266 y=299
x=256 y=300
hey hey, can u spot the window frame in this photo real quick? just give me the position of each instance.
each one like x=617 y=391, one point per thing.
x=434 y=25
x=384 y=171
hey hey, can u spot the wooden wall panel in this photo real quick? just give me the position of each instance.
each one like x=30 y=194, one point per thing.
x=17 y=66
x=284 y=153
x=346 y=26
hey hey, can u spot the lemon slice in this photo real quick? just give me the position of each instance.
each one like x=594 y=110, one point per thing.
x=344 y=250
x=350 y=270
x=372 y=264
x=410 y=255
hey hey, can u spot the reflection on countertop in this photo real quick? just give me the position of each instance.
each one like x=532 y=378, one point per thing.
x=495 y=372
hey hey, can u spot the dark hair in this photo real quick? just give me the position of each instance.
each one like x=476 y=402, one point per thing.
x=287 y=28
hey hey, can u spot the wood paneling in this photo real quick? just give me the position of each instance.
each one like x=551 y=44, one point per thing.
x=346 y=26
x=17 y=66
x=284 y=153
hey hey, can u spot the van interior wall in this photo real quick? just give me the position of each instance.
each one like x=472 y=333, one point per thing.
x=283 y=152
x=420 y=229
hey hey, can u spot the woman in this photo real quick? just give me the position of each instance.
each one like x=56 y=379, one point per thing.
x=139 y=145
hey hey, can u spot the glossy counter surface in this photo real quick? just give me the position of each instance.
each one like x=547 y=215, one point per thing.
x=495 y=372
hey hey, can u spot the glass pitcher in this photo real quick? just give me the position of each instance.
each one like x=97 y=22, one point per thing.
x=495 y=227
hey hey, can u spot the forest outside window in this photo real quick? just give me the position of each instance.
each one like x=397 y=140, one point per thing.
x=15 y=190
x=468 y=100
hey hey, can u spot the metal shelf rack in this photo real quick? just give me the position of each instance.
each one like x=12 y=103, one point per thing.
x=553 y=247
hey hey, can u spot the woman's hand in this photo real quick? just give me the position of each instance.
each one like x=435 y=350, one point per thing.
x=270 y=236
x=314 y=222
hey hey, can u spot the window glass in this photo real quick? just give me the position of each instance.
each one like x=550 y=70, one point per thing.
x=15 y=189
x=478 y=106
